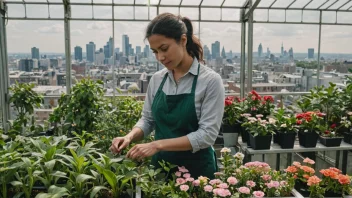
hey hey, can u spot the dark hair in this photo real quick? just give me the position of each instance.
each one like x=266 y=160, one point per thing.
x=172 y=26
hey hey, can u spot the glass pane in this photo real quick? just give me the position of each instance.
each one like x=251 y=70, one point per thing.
x=141 y=12
x=338 y=4
x=293 y=15
x=37 y=11
x=234 y=2
x=124 y=1
x=102 y=1
x=15 y=10
x=141 y=1
x=328 y=4
x=170 y=2
x=191 y=2
x=231 y=14
x=276 y=15
x=168 y=9
x=152 y=12
x=300 y=3
x=81 y=1
x=348 y=5
x=81 y=11
x=316 y=4
x=102 y=12
x=212 y=2
x=344 y=17
x=35 y=1
x=210 y=14
x=260 y=15
x=334 y=39
x=192 y=13
x=56 y=11
x=55 y=1
x=123 y=12
x=282 y=3
x=265 y=3
x=311 y=16
x=329 y=17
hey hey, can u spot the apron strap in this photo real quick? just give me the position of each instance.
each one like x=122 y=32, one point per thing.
x=194 y=85
x=163 y=82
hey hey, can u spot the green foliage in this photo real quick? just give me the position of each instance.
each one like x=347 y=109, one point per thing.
x=308 y=65
x=24 y=100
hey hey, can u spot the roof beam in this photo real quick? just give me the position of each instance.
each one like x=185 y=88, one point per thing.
x=222 y=4
x=245 y=4
x=307 y=4
x=291 y=4
x=331 y=4
x=322 y=4
x=344 y=4
x=272 y=4
x=251 y=9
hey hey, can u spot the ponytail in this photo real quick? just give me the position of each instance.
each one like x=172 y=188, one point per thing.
x=193 y=46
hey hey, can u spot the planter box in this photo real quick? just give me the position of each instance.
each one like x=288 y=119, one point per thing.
x=235 y=128
x=260 y=142
x=276 y=137
x=347 y=137
x=244 y=135
x=308 y=139
x=230 y=139
x=287 y=140
x=330 y=142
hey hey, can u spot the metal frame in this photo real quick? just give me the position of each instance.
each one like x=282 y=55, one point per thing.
x=247 y=10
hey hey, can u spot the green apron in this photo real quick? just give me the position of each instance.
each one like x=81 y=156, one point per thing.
x=175 y=116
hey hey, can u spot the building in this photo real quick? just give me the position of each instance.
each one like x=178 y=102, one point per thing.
x=28 y=65
x=56 y=63
x=146 y=51
x=138 y=50
x=223 y=53
x=35 y=53
x=260 y=50
x=311 y=53
x=90 y=52
x=99 y=57
x=206 y=52
x=215 y=49
x=44 y=64
x=108 y=48
x=282 y=49
x=125 y=45
x=78 y=53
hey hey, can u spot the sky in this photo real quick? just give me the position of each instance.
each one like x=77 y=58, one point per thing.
x=48 y=36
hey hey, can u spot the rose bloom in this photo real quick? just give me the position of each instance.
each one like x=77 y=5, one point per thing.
x=190 y=179
x=291 y=169
x=258 y=194
x=297 y=164
x=178 y=174
x=223 y=185
x=180 y=181
x=184 y=187
x=203 y=179
x=186 y=175
x=244 y=190
x=225 y=150
x=196 y=183
x=314 y=180
x=183 y=169
x=344 y=179
x=250 y=184
x=266 y=177
x=215 y=181
x=307 y=169
x=208 y=188
x=309 y=161
x=232 y=180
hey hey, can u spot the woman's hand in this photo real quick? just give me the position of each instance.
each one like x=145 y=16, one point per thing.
x=141 y=151
x=119 y=143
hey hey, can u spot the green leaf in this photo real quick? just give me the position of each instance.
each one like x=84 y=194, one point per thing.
x=110 y=177
x=96 y=189
x=16 y=183
x=83 y=177
x=50 y=164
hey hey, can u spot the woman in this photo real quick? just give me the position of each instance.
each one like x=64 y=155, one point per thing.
x=184 y=102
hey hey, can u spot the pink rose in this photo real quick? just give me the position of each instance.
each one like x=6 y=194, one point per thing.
x=258 y=194
x=182 y=169
x=223 y=185
x=232 y=180
x=208 y=188
x=221 y=192
x=215 y=181
x=180 y=181
x=190 y=179
x=178 y=174
x=250 y=183
x=244 y=190
x=266 y=177
x=184 y=187
x=283 y=183
x=186 y=175
x=196 y=182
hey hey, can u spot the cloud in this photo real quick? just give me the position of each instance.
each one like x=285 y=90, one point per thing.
x=98 y=26
x=57 y=28
x=76 y=32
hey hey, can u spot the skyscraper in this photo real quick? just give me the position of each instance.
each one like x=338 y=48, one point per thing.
x=268 y=52
x=215 y=49
x=260 y=50
x=223 y=53
x=282 y=49
x=90 y=48
x=78 y=53
x=125 y=45
x=35 y=53
x=310 y=53
x=206 y=52
x=290 y=52
x=146 y=51
x=138 y=50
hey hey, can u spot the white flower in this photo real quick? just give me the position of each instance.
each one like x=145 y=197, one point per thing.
x=225 y=150
x=252 y=119
x=272 y=120
x=283 y=126
x=259 y=116
x=349 y=113
x=239 y=155
x=246 y=115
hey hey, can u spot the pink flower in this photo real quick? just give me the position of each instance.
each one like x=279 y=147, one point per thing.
x=190 y=179
x=297 y=164
x=232 y=180
x=182 y=169
x=215 y=181
x=196 y=183
x=218 y=173
x=250 y=183
x=184 y=187
x=180 y=181
x=178 y=174
x=309 y=161
x=223 y=185
x=186 y=175
x=244 y=190
x=221 y=192
x=273 y=184
x=208 y=188
x=266 y=177
x=258 y=194
x=283 y=183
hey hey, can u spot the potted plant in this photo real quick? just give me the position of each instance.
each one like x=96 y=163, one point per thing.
x=308 y=132
x=346 y=125
x=260 y=132
x=329 y=136
x=256 y=104
x=335 y=183
x=231 y=125
x=285 y=129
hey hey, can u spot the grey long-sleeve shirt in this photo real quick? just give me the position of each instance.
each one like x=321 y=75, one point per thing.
x=209 y=102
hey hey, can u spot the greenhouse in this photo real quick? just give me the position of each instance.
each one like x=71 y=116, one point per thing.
x=65 y=120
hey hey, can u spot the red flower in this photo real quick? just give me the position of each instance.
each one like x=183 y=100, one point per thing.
x=333 y=126
x=231 y=98
x=228 y=102
x=327 y=132
x=299 y=122
x=254 y=93
x=238 y=99
x=268 y=98
x=299 y=116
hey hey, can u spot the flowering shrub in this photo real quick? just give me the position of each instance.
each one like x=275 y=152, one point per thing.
x=253 y=179
x=302 y=172
x=233 y=110
x=283 y=122
x=334 y=181
x=258 y=126
x=310 y=121
x=256 y=104
x=327 y=130
x=314 y=187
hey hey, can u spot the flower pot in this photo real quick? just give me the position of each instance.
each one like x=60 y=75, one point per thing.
x=302 y=188
x=244 y=135
x=276 y=137
x=332 y=194
x=234 y=128
x=287 y=140
x=260 y=142
x=230 y=139
x=308 y=139
x=347 y=137
x=330 y=142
